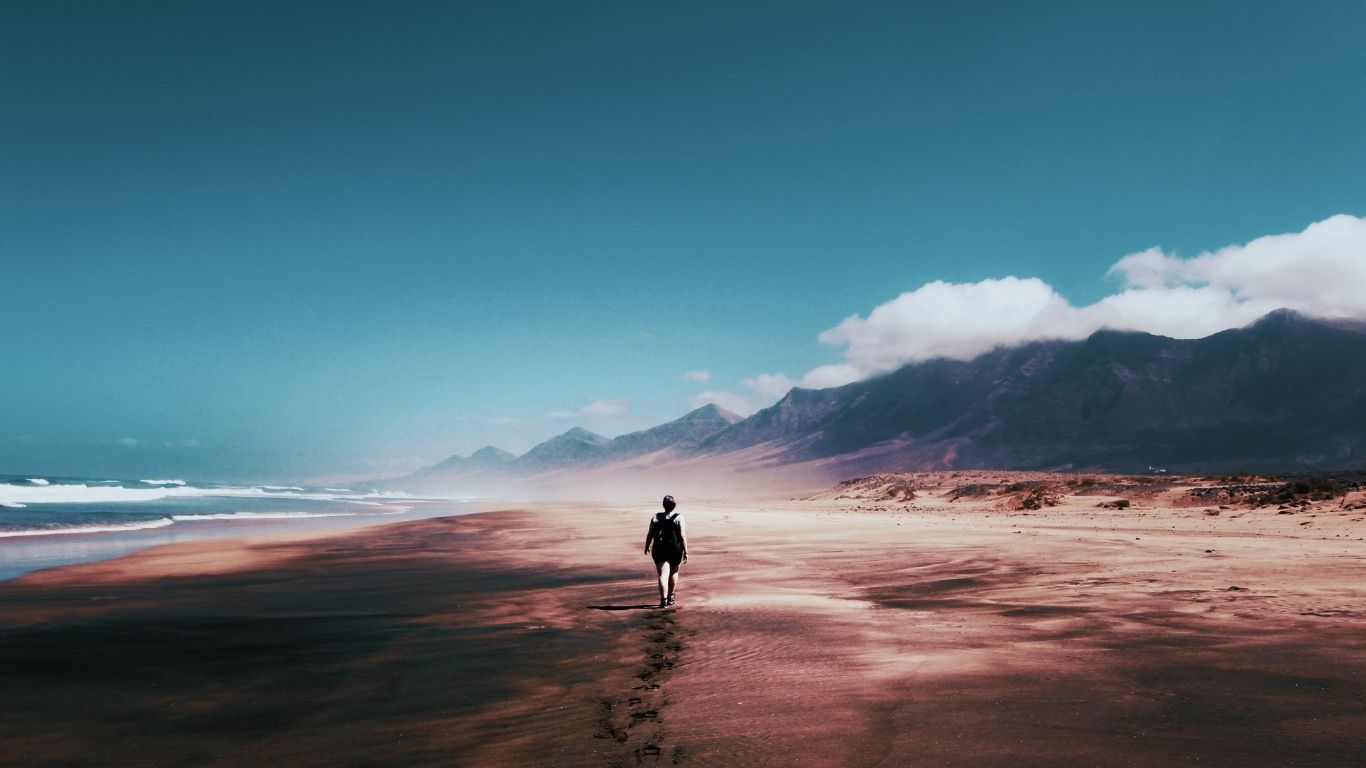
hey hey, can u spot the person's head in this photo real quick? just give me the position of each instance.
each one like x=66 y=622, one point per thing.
x=669 y=504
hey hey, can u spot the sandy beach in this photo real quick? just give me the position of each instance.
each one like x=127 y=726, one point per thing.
x=860 y=628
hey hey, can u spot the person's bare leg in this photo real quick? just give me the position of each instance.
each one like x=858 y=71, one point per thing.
x=666 y=580
x=673 y=583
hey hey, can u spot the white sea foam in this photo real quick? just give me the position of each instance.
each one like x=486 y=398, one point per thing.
x=256 y=516
x=12 y=505
x=280 y=515
x=111 y=527
x=115 y=494
x=162 y=482
x=37 y=481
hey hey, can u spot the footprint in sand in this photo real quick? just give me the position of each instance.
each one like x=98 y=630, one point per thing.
x=607 y=727
x=641 y=730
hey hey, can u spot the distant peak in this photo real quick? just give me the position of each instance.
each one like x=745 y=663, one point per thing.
x=579 y=433
x=1283 y=321
x=489 y=452
x=1281 y=316
x=713 y=411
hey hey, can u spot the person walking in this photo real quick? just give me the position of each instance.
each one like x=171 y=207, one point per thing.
x=670 y=545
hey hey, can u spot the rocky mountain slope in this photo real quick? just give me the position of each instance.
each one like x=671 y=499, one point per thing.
x=576 y=448
x=1287 y=392
x=1284 y=392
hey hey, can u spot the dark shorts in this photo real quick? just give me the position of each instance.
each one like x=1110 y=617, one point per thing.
x=667 y=555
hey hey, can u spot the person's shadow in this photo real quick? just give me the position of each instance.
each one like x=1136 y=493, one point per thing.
x=623 y=607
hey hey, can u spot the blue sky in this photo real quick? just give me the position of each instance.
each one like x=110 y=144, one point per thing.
x=284 y=240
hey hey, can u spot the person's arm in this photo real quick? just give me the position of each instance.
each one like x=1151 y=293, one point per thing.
x=650 y=535
x=683 y=537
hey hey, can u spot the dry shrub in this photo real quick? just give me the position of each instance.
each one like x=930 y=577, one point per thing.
x=1037 y=497
x=882 y=487
x=974 y=490
x=1295 y=491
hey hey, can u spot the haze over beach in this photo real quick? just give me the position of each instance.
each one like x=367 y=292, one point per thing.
x=1008 y=364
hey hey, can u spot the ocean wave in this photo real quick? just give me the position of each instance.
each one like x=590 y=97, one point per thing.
x=37 y=481
x=280 y=515
x=102 y=528
x=162 y=482
x=115 y=494
x=12 y=505
x=162 y=522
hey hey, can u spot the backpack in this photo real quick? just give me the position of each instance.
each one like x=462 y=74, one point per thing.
x=668 y=535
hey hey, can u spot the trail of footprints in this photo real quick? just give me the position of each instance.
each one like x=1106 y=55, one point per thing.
x=633 y=719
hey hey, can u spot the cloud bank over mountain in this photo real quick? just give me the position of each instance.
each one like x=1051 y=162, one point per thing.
x=1320 y=272
x=764 y=389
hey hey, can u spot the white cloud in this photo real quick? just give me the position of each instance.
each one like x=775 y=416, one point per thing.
x=951 y=320
x=767 y=389
x=827 y=376
x=1320 y=271
x=1179 y=311
x=770 y=387
x=599 y=409
x=606 y=409
x=701 y=377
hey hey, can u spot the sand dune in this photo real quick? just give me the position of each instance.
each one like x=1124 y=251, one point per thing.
x=866 y=630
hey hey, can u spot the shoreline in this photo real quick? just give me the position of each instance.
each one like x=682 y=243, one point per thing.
x=32 y=551
x=826 y=632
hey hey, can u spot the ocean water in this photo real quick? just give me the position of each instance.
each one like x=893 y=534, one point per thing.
x=47 y=521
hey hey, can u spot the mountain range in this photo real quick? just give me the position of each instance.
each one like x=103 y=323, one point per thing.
x=1285 y=393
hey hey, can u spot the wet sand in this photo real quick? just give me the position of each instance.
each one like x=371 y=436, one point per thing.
x=836 y=631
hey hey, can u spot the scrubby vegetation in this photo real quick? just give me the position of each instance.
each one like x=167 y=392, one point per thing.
x=1126 y=485
x=1261 y=491
x=974 y=490
x=1037 y=497
x=884 y=487
x=1306 y=490
x=1029 y=494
